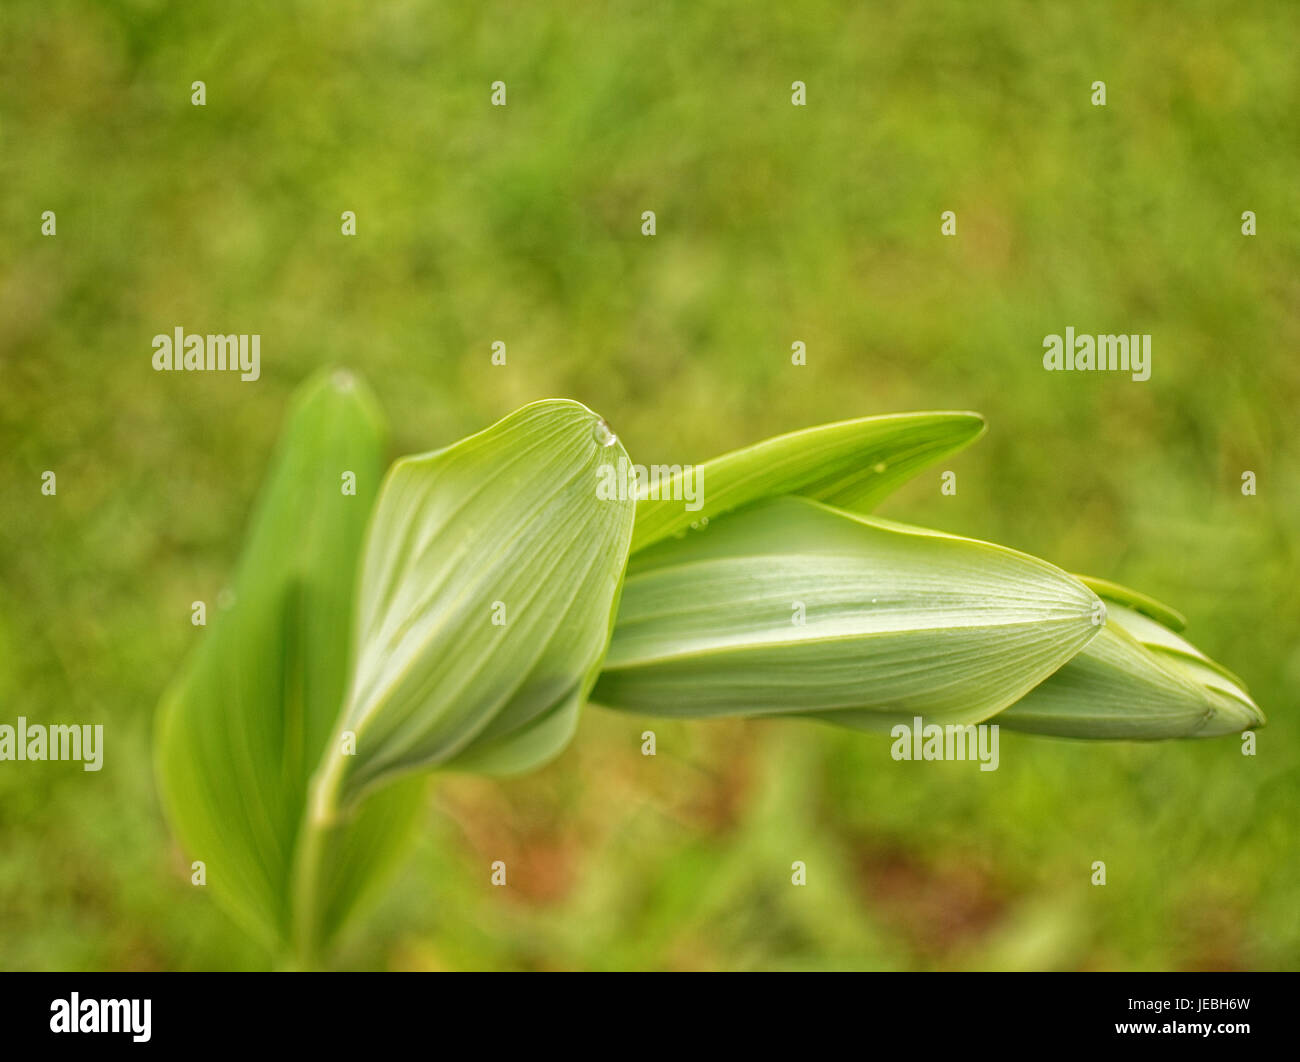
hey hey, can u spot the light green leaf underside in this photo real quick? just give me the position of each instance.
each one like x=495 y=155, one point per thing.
x=852 y=464
x=898 y=621
x=1135 y=600
x=1136 y=681
x=1156 y=636
x=506 y=525
x=243 y=727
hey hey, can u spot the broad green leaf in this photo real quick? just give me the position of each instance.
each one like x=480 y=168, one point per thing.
x=242 y=729
x=853 y=465
x=1136 y=680
x=490 y=576
x=793 y=607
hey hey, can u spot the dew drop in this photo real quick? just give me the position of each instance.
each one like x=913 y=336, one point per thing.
x=603 y=435
x=343 y=380
x=879 y=467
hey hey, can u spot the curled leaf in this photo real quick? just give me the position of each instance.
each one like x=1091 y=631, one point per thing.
x=1137 y=680
x=490 y=575
x=793 y=607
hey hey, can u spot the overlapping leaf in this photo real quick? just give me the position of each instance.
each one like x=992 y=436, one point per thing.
x=489 y=580
x=242 y=729
x=852 y=464
x=791 y=606
x=1137 y=680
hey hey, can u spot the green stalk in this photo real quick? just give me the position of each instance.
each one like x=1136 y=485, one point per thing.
x=320 y=819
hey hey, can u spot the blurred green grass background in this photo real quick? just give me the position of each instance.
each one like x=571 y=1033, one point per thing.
x=775 y=224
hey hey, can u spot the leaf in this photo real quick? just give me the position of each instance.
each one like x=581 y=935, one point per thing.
x=242 y=729
x=490 y=576
x=1135 y=600
x=853 y=465
x=1137 y=680
x=897 y=621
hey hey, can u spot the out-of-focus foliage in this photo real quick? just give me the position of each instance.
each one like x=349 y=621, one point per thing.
x=246 y=723
x=775 y=224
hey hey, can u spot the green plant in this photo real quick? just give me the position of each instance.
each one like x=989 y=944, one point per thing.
x=459 y=614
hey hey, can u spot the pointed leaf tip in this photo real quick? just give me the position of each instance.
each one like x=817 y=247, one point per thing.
x=852 y=464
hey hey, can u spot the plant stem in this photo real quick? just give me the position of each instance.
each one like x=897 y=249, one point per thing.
x=320 y=819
